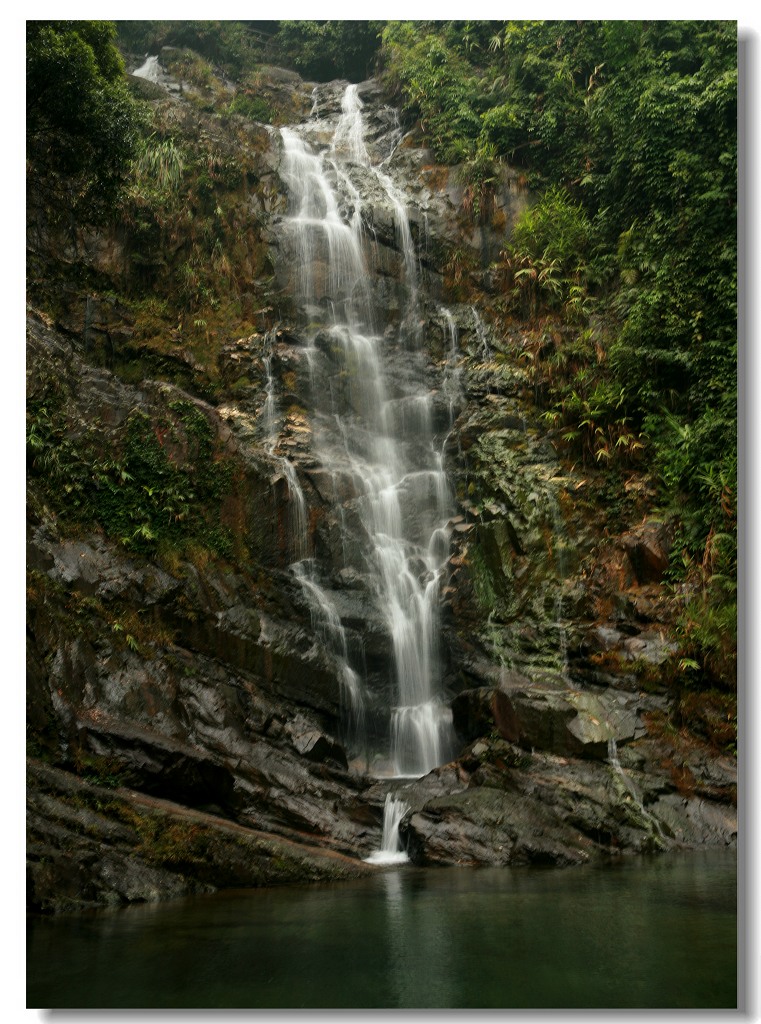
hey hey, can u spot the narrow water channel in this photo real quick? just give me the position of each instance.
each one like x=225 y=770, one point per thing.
x=647 y=933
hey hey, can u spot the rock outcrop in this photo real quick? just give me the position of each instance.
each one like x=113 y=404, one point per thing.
x=90 y=846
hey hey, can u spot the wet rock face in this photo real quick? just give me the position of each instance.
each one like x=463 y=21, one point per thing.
x=201 y=718
x=510 y=806
x=648 y=547
x=567 y=722
x=90 y=846
x=495 y=827
x=552 y=718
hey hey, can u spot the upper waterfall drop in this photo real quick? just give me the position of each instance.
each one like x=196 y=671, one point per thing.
x=349 y=139
x=371 y=430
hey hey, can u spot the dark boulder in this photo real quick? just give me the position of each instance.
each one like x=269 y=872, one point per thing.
x=648 y=548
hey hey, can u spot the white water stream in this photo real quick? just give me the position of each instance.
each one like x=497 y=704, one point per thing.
x=651 y=822
x=366 y=431
x=297 y=510
x=150 y=69
x=391 y=851
x=452 y=386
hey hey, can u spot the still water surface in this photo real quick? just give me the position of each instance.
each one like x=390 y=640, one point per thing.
x=657 y=932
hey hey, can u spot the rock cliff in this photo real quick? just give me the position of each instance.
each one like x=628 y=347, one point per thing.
x=187 y=715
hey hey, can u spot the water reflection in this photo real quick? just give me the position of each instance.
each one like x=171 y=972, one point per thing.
x=649 y=933
x=418 y=933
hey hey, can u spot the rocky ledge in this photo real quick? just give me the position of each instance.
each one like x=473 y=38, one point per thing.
x=91 y=846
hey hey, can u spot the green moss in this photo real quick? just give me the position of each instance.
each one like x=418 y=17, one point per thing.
x=491 y=568
x=190 y=67
x=249 y=105
x=161 y=483
x=101 y=771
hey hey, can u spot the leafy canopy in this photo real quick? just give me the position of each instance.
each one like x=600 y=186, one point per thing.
x=82 y=123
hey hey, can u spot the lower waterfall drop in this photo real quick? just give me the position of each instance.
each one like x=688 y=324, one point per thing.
x=391 y=851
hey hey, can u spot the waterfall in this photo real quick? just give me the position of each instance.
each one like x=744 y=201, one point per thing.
x=327 y=623
x=645 y=818
x=373 y=437
x=298 y=538
x=349 y=139
x=349 y=145
x=269 y=411
x=453 y=371
x=483 y=340
x=150 y=69
x=297 y=512
x=391 y=851
x=615 y=764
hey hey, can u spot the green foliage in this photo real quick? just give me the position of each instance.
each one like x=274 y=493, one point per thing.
x=319 y=50
x=188 y=66
x=556 y=226
x=82 y=125
x=190 y=236
x=236 y=46
x=249 y=105
x=547 y=255
x=667 y=192
x=458 y=262
x=595 y=424
x=157 y=168
x=437 y=85
x=697 y=462
x=710 y=631
x=137 y=493
x=323 y=50
x=480 y=175
x=517 y=86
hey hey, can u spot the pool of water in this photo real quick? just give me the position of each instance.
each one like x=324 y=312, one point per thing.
x=643 y=933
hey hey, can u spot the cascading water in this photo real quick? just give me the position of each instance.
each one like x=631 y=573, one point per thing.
x=482 y=336
x=375 y=439
x=327 y=623
x=391 y=851
x=270 y=404
x=453 y=372
x=297 y=510
x=650 y=823
x=150 y=69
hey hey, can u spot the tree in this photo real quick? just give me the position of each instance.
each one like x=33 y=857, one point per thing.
x=329 y=49
x=82 y=124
